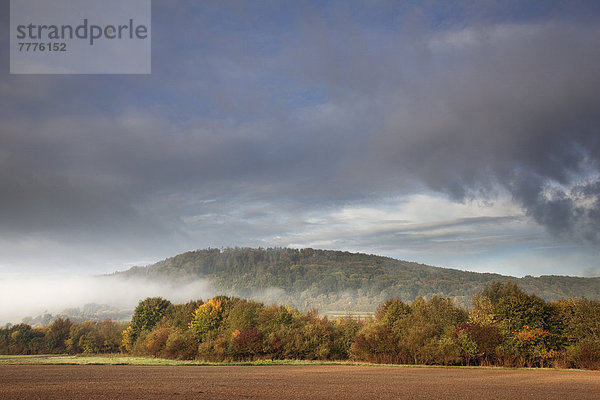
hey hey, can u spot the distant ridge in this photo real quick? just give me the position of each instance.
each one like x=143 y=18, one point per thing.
x=341 y=281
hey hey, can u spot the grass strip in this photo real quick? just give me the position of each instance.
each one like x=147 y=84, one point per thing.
x=122 y=359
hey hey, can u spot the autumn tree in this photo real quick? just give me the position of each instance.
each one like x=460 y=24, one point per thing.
x=209 y=316
x=57 y=334
x=581 y=318
x=531 y=331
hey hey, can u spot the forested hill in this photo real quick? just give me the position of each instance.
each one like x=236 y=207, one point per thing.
x=341 y=281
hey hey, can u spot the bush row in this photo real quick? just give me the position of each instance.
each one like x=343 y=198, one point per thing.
x=505 y=327
x=63 y=336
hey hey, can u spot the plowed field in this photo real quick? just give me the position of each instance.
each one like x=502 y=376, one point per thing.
x=290 y=382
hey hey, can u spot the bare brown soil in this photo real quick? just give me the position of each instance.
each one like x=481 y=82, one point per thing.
x=290 y=382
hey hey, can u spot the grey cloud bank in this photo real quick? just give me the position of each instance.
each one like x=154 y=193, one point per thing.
x=261 y=126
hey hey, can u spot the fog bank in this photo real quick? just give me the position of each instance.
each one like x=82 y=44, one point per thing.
x=23 y=296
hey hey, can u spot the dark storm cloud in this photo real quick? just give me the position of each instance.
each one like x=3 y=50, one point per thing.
x=299 y=106
x=515 y=106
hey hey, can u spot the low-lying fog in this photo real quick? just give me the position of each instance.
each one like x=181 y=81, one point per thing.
x=28 y=296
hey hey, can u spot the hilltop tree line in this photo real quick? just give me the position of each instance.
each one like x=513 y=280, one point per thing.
x=505 y=327
x=338 y=280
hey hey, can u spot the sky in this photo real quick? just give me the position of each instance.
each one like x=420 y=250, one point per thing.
x=462 y=134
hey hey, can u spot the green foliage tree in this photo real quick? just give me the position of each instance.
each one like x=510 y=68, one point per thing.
x=181 y=315
x=420 y=333
x=427 y=333
x=392 y=311
x=343 y=334
x=243 y=315
x=147 y=314
x=23 y=339
x=83 y=338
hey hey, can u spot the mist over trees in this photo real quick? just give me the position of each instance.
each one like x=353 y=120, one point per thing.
x=505 y=327
x=89 y=312
x=340 y=281
x=334 y=282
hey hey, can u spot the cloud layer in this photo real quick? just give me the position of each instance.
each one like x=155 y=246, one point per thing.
x=264 y=124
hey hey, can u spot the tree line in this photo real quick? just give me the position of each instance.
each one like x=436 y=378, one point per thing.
x=504 y=327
